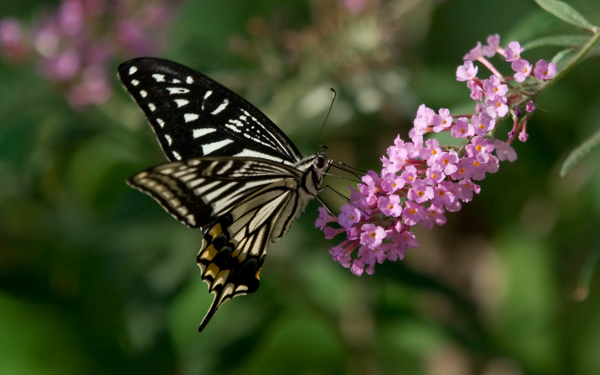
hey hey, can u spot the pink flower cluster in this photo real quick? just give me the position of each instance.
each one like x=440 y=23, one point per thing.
x=420 y=181
x=74 y=45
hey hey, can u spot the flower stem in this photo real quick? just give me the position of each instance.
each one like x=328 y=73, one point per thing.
x=582 y=53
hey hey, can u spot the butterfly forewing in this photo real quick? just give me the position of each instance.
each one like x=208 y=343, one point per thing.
x=194 y=116
x=232 y=173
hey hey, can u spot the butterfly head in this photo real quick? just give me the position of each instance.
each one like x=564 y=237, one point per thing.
x=321 y=162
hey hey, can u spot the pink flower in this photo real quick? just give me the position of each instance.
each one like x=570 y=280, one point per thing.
x=504 y=151
x=513 y=51
x=74 y=48
x=493 y=87
x=466 y=71
x=543 y=70
x=478 y=169
x=420 y=192
x=391 y=183
x=474 y=54
x=435 y=215
x=372 y=235
x=413 y=213
x=12 y=39
x=419 y=180
x=390 y=206
x=409 y=175
x=523 y=136
x=480 y=149
x=496 y=107
x=432 y=150
x=369 y=185
x=467 y=188
x=462 y=128
x=443 y=195
x=493 y=44
x=406 y=239
x=442 y=121
x=325 y=218
x=358 y=267
x=350 y=215
x=463 y=170
x=522 y=70
x=483 y=123
x=435 y=175
x=476 y=90
x=447 y=160
x=332 y=232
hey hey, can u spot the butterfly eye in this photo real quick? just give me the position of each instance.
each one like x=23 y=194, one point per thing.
x=320 y=162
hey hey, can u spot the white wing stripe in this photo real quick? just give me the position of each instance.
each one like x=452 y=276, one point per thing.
x=181 y=102
x=215 y=194
x=207 y=149
x=255 y=154
x=177 y=90
x=197 y=133
x=196 y=182
x=189 y=117
x=266 y=211
x=221 y=107
x=200 y=191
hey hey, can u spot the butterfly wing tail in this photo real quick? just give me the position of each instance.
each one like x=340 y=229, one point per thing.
x=234 y=285
x=227 y=275
x=213 y=309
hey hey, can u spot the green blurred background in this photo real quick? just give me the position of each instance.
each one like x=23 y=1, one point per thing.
x=96 y=278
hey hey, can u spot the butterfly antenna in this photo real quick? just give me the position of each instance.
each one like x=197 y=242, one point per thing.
x=326 y=117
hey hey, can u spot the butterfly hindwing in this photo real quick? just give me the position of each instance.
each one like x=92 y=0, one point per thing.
x=197 y=191
x=235 y=247
x=194 y=116
x=245 y=195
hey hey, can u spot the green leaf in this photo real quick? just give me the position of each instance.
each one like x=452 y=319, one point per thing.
x=561 y=55
x=583 y=149
x=557 y=41
x=537 y=23
x=566 y=13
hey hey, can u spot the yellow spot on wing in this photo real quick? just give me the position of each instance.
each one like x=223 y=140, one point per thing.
x=221 y=278
x=212 y=270
x=215 y=231
x=209 y=253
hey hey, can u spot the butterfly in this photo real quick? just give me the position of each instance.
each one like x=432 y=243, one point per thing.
x=231 y=172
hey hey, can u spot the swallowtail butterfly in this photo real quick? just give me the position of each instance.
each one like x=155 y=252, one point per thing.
x=231 y=172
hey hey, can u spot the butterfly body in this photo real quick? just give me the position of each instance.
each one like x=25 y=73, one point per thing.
x=232 y=172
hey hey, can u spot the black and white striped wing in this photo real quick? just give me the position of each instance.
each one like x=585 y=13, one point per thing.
x=194 y=116
x=198 y=191
x=238 y=201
